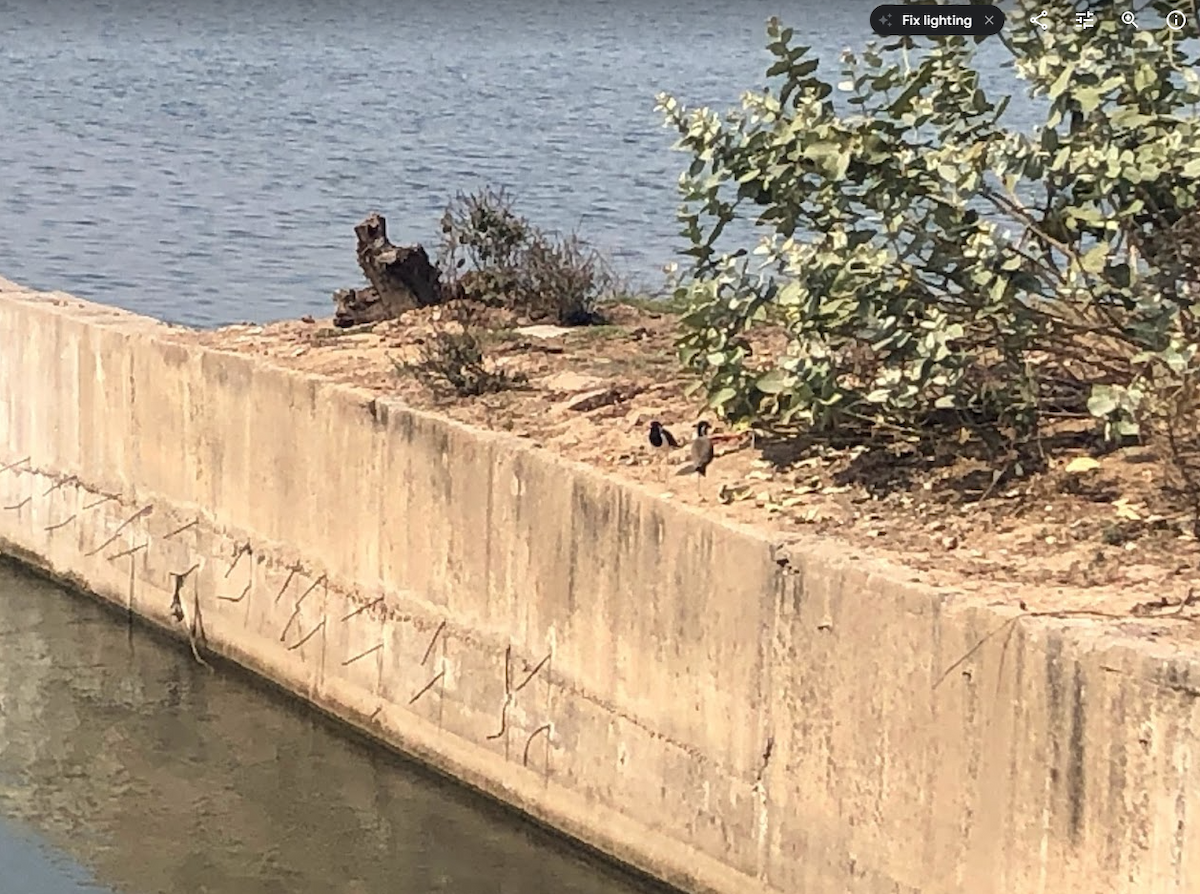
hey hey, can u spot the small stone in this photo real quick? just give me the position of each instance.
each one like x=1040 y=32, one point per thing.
x=567 y=381
x=592 y=400
x=949 y=542
x=543 y=331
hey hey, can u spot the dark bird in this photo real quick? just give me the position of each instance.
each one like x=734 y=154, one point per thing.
x=660 y=436
x=702 y=452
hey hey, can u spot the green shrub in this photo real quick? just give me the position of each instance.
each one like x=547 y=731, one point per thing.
x=934 y=269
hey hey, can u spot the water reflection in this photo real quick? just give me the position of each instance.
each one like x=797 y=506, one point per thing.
x=160 y=776
x=31 y=864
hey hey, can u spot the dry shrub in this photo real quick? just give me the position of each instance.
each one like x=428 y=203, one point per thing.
x=496 y=256
x=452 y=359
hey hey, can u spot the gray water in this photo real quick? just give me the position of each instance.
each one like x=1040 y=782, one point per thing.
x=126 y=767
x=206 y=161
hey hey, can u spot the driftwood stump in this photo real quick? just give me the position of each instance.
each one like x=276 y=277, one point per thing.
x=401 y=277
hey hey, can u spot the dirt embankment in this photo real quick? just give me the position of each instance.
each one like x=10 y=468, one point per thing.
x=1087 y=535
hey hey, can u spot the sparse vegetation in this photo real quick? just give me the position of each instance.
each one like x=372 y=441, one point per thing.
x=496 y=256
x=670 y=303
x=452 y=358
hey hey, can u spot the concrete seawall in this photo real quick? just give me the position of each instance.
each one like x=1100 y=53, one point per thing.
x=653 y=682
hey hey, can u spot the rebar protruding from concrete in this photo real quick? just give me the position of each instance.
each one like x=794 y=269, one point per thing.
x=62 y=524
x=240 y=550
x=19 y=505
x=508 y=692
x=438 y=676
x=296 y=610
x=182 y=528
x=13 y=465
x=533 y=673
x=544 y=728
x=62 y=482
x=128 y=552
x=432 y=640
x=104 y=498
x=287 y=581
x=245 y=590
x=144 y=511
x=766 y=759
x=362 y=655
x=181 y=576
x=320 y=580
x=363 y=608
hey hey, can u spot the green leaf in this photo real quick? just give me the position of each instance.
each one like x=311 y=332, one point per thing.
x=722 y=397
x=890 y=269
x=1089 y=100
x=1102 y=403
x=774 y=382
x=1094 y=260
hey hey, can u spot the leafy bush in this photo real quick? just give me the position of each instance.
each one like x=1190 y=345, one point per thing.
x=499 y=257
x=932 y=269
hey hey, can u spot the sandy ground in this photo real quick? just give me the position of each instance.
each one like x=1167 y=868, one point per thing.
x=1097 y=540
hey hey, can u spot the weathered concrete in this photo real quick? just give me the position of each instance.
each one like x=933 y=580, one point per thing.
x=673 y=695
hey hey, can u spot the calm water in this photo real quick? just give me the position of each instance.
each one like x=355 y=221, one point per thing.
x=125 y=767
x=205 y=161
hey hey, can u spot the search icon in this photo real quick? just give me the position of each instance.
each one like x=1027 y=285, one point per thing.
x=1128 y=19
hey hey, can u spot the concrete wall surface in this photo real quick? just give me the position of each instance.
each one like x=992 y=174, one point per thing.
x=651 y=681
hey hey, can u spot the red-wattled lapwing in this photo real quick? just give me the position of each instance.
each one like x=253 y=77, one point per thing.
x=702 y=454
x=662 y=440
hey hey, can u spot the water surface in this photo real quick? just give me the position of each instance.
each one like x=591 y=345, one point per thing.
x=126 y=767
x=205 y=161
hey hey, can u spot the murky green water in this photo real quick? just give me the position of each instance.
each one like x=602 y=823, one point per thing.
x=127 y=767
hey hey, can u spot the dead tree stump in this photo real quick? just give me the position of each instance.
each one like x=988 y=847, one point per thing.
x=401 y=277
